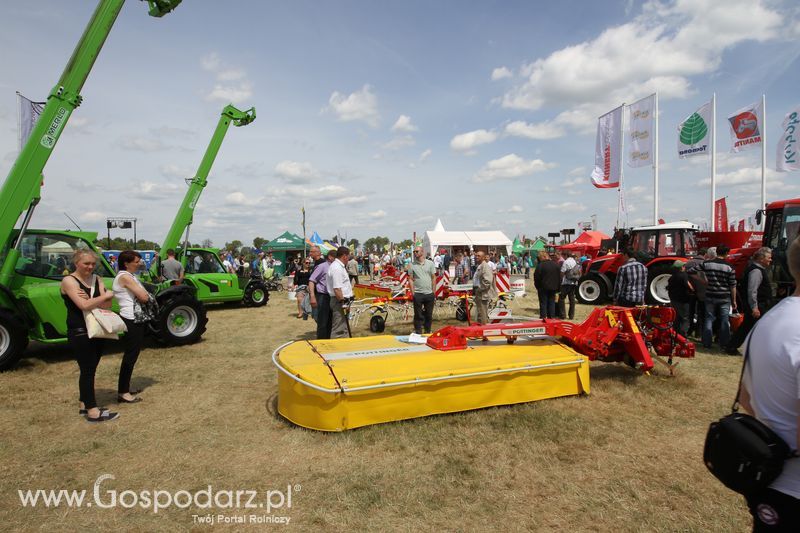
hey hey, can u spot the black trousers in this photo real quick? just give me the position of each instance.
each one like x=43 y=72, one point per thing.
x=774 y=511
x=87 y=352
x=323 y=315
x=132 y=344
x=567 y=291
x=737 y=339
x=682 y=323
x=423 y=311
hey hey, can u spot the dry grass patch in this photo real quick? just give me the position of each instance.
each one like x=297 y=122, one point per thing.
x=625 y=458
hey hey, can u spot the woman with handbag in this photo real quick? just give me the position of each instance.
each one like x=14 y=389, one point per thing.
x=82 y=292
x=131 y=296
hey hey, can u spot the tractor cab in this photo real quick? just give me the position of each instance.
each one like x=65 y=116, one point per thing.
x=45 y=257
x=664 y=240
x=781 y=228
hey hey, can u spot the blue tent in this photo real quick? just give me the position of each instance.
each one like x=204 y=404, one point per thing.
x=316 y=239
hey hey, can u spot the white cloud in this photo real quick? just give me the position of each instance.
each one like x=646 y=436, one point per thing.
x=512 y=209
x=144 y=144
x=237 y=93
x=573 y=182
x=742 y=176
x=351 y=200
x=360 y=106
x=232 y=83
x=465 y=142
x=92 y=216
x=239 y=198
x=425 y=155
x=541 y=131
x=659 y=49
x=380 y=213
x=148 y=190
x=296 y=171
x=403 y=123
x=501 y=72
x=397 y=143
x=579 y=171
x=565 y=206
x=509 y=167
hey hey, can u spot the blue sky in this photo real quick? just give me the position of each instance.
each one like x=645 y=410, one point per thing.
x=382 y=117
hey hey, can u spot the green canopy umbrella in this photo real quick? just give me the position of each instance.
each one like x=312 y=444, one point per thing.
x=281 y=245
x=517 y=247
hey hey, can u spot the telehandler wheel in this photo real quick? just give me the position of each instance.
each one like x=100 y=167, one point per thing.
x=255 y=294
x=181 y=320
x=13 y=340
x=377 y=324
x=657 y=279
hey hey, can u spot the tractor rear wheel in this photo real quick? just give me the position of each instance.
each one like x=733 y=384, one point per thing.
x=592 y=290
x=181 y=320
x=657 y=279
x=13 y=340
x=255 y=294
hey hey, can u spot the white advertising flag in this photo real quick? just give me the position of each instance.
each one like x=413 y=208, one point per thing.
x=746 y=127
x=640 y=132
x=694 y=133
x=29 y=112
x=788 y=157
x=607 y=157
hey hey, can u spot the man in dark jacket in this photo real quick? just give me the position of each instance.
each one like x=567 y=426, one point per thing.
x=679 y=290
x=756 y=297
x=547 y=280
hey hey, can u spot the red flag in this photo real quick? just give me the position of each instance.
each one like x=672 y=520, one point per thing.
x=741 y=225
x=721 y=215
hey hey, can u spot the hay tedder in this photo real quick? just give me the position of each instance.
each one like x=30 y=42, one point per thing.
x=339 y=384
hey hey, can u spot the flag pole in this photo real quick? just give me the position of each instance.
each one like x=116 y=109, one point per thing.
x=763 y=151
x=713 y=156
x=19 y=122
x=655 y=162
x=621 y=161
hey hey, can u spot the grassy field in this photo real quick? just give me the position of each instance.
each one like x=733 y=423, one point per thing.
x=628 y=457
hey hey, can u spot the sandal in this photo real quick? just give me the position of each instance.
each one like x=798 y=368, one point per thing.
x=121 y=399
x=85 y=412
x=105 y=416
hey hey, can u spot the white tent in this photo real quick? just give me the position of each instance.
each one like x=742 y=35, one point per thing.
x=434 y=240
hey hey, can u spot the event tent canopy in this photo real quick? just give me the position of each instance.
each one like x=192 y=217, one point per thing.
x=315 y=238
x=586 y=241
x=433 y=240
x=286 y=241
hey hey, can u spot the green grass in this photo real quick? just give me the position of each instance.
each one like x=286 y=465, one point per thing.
x=625 y=458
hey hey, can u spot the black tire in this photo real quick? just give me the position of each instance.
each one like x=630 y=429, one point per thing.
x=13 y=340
x=377 y=324
x=657 y=278
x=181 y=320
x=461 y=311
x=592 y=290
x=255 y=294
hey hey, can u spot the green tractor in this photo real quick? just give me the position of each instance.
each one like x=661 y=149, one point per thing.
x=203 y=269
x=33 y=262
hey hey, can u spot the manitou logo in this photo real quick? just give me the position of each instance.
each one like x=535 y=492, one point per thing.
x=745 y=125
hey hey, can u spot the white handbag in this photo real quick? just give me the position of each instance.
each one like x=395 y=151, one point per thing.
x=102 y=323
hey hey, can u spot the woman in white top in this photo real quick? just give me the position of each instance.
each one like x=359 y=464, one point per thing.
x=127 y=287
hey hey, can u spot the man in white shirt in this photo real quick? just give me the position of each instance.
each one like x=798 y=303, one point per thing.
x=341 y=292
x=771 y=392
x=225 y=263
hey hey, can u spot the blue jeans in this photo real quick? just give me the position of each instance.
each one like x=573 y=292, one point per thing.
x=720 y=309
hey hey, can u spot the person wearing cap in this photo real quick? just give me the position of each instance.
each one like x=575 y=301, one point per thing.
x=680 y=289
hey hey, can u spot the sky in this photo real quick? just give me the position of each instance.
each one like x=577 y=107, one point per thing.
x=382 y=117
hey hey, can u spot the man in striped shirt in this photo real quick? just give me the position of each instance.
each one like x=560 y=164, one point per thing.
x=720 y=297
x=631 y=281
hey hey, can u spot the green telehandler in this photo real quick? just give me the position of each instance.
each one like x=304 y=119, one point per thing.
x=203 y=269
x=33 y=262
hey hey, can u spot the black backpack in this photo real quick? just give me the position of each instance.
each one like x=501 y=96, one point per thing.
x=742 y=452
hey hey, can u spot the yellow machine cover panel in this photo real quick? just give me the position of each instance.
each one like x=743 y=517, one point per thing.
x=339 y=384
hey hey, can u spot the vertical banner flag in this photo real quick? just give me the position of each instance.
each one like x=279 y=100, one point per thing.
x=787 y=158
x=694 y=133
x=640 y=132
x=29 y=112
x=607 y=156
x=721 y=219
x=741 y=225
x=745 y=127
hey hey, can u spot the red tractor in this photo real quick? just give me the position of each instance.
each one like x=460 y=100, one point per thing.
x=658 y=247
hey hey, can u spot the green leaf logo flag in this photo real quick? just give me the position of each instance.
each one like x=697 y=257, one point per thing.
x=694 y=129
x=693 y=133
